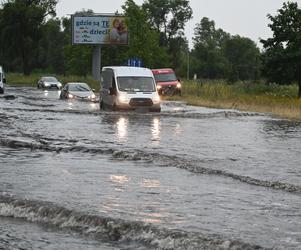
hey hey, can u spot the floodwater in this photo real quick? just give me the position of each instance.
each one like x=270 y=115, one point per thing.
x=74 y=177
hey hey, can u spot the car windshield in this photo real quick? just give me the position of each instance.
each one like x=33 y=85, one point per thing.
x=79 y=87
x=136 y=84
x=171 y=77
x=50 y=79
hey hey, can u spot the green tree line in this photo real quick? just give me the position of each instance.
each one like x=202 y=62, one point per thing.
x=33 y=39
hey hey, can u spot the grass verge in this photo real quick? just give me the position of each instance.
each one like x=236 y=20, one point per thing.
x=17 y=79
x=274 y=99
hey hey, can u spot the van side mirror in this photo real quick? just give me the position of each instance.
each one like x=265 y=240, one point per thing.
x=112 y=91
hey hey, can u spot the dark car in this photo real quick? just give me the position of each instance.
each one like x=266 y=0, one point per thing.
x=48 y=82
x=77 y=90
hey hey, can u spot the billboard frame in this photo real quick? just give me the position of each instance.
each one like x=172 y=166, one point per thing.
x=101 y=16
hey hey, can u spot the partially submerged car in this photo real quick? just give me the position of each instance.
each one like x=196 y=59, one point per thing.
x=2 y=80
x=167 y=82
x=48 y=82
x=77 y=90
x=128 y=88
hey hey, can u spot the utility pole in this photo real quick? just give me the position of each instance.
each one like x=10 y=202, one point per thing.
x=96 y=62
x=188 y=65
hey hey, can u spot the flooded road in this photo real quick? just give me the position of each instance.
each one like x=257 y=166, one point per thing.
x=187 y=178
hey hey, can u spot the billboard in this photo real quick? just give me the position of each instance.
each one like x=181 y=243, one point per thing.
x=99 y=30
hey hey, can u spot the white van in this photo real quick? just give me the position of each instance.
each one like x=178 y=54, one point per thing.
x=2 y=80
x=128 y=88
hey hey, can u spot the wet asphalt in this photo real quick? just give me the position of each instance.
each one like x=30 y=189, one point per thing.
x=73 y=176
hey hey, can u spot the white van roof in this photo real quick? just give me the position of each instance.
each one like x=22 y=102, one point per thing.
x=130 y=71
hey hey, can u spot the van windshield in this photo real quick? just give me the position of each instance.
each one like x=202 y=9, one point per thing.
x=136 y=84
x=171 y=77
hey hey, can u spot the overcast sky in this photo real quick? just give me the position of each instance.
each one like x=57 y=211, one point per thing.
x=246 y=18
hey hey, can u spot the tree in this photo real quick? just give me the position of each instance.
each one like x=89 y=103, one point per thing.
x=168 y=17
x=207 y=57
x=78 y=57
x=51 y=47
x=20 y=26
x=144 y=41
x=243 y=57
x=282 y=52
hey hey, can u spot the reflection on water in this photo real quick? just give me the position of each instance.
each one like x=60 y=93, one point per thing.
x=119 y=182
x=150 y=183
x=155 y=130
x=122 y=127
x=178 y=129
x=45 y=92
x=152 y=217
x=70 y=104
x=111 y=204
x=93 y=105
x=119 y=179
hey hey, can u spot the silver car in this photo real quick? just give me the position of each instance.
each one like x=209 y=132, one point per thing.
x=48 y=82
x=77 y=90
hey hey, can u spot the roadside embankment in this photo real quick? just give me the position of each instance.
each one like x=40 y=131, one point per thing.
x=280 y=100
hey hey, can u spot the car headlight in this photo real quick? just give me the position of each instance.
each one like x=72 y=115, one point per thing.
x=156 y=99
x=159 y=87
x=70 y=96
x=46 y=84
x=123 y=99
x=91 y=96
x=59 y=85
x=179 y=85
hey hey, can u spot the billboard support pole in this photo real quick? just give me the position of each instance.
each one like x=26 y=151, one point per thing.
x=96 y=62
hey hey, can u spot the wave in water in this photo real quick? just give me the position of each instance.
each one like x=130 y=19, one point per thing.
x=113 y=230
x=160 y=159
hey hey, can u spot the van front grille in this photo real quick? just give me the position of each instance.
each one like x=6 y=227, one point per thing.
x=141 y=102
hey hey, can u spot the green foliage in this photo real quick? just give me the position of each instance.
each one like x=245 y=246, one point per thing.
x=207 y=57
x=20 y=25
x=243 y=57
x=144 y=41
x=218 y=55
x=282 y=55
x=51 y=45
x=223 y=90
x=169 y=18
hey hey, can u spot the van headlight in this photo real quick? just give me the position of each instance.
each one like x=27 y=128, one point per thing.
x=123 y=98
x=156 y=99
x=70 y=96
